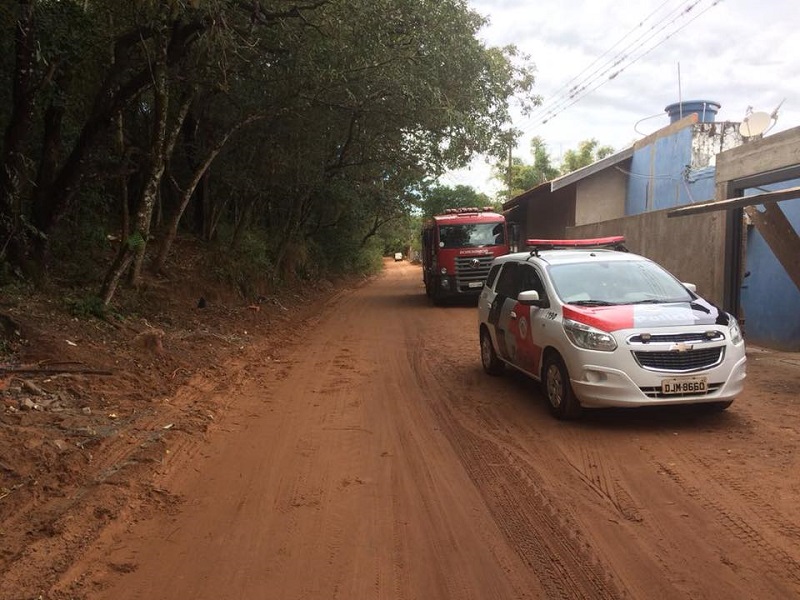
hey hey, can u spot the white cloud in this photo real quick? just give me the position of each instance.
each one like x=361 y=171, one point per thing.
x=738 y=53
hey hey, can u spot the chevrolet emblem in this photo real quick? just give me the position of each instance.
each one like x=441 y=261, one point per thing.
x=681 y=347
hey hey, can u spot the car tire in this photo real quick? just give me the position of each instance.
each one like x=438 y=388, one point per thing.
x=561 y=399
x=491 y=363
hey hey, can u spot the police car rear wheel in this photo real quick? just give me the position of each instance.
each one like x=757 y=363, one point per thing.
x=560 y=398
x=491 y=364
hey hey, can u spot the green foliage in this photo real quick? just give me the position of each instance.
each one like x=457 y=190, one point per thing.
x=527 y=176
x=135 y=240
x=588 y=152
x=248 y=266
x=86 y=306
x=435 y=199
x=398 y=235
x=350 y=107
x=340 y=251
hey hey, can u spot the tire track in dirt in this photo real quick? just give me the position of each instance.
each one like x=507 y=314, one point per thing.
x=543 y=536
x=116 y=451
x=745 y=529
x=601 y=477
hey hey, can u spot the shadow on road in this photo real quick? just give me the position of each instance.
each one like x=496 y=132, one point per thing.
x=688 y=417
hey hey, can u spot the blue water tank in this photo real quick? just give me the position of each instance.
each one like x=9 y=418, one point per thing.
x=706 y=110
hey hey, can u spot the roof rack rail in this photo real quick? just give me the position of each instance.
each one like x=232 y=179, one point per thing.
x=616 y=242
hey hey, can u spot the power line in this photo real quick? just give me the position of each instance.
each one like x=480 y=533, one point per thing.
x=561 y=104
x=566 y=91
x=561 y=99
x=615 y=74
x=566 y=85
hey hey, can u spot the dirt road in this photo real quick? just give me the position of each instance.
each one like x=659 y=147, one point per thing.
x=373 y=459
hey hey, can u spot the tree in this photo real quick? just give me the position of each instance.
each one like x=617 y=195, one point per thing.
x=526 y=176
x=434 y=200
x=588 y=152
x=543 y=169
x=289 y=123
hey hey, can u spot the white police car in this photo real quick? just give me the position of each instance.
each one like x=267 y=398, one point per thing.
x=600 y=326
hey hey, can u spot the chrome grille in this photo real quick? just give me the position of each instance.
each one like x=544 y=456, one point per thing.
x=472 y=269
x=680 y=362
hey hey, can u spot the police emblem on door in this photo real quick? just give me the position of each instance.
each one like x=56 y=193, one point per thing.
x=523 y=328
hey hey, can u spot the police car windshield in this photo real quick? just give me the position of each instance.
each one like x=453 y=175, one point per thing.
x=616 y=282
x=471 y=235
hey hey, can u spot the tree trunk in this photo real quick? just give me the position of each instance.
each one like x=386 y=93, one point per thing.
x=293 y=226
x=111 y=98
x=241 y=223
x=162 y=147
x=114 y=274
x=125 y=211
x=155 y=171
x=12 y=161
x=175 y=218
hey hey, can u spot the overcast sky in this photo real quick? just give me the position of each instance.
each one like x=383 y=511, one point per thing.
x=738 y=53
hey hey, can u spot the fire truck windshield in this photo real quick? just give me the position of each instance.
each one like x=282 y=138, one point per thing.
x=471 y=235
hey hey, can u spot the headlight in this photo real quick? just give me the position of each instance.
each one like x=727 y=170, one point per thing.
x=735 y=331
x=587 y=337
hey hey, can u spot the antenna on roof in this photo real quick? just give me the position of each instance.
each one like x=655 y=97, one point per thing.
x=774 y=114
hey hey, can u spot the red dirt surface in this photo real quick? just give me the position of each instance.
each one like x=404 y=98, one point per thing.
x=345 y=443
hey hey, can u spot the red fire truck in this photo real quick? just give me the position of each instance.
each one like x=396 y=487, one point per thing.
x=457 y=250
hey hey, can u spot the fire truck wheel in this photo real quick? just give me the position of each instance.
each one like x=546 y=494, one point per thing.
x=560 y=398
x=491 y=364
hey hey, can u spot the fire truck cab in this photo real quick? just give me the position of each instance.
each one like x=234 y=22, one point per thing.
x=458 y=247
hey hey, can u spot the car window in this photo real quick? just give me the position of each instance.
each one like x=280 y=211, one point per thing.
x=530 y=280
x=617 y=282
x=507 y=282
x=471 y=235
x=492 y=275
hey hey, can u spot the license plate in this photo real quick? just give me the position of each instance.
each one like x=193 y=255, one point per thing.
x=474 y=284
x=684 y=385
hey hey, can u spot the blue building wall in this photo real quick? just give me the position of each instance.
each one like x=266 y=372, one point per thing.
x=660 y=178
x=770 y=300
x=660 y=172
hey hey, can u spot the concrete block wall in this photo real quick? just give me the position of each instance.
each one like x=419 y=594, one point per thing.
x=691 y=248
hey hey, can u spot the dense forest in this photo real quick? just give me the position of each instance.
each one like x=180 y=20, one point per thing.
x=291 y=137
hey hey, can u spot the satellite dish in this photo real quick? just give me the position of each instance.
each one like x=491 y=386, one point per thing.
x=755 y=123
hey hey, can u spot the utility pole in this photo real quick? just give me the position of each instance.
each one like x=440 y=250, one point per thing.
x=509 y=166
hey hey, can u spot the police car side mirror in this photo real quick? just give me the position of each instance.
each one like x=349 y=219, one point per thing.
x=531 y=298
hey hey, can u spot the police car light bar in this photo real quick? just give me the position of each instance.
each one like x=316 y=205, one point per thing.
x=615 y=241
